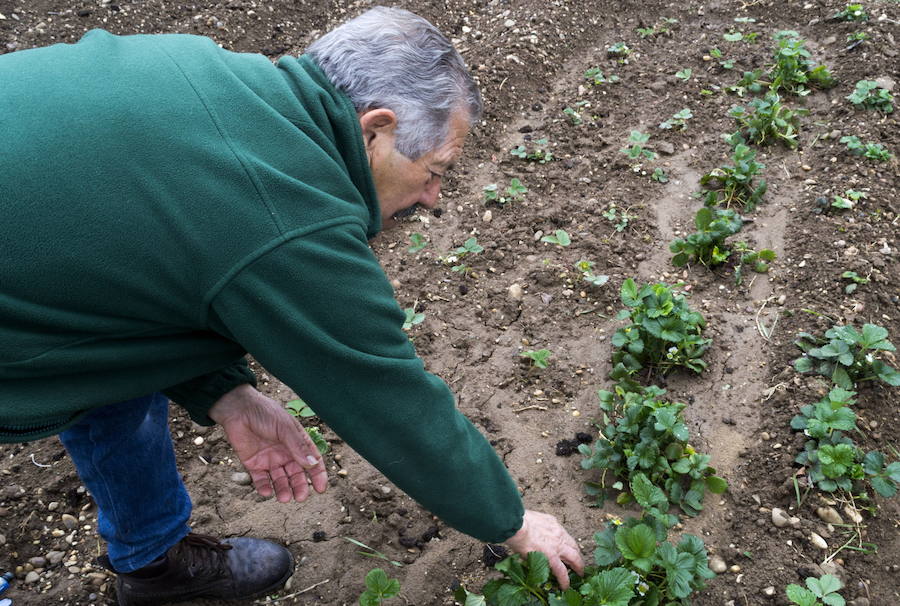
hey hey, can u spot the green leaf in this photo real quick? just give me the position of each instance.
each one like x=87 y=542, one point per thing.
x=803 y=364
x=378 y=583
x=299 y=408
x=538 y=569
x=883 y=486
x=606 y=552
x=611 y=587
x=629 y=293
x=886 y=373
x=800 y=595
x=473 y=599
x=512 y=595
x=645 y=493
x=828 y=583
x=679 y=570
x=636 y=543
x=872 y=334
x=715 y=484
x=841 y=378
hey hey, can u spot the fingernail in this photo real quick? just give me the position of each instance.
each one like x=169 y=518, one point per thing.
x=311 y=460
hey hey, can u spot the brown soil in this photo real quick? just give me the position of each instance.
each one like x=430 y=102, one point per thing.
x=739 y=412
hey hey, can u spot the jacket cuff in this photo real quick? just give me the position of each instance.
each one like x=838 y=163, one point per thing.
x=198 y=395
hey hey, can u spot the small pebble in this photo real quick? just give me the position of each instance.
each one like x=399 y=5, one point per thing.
x=769 y=591
x=32 y=577
x=488 y=216
x=829 y=515
x=241 y=478
x=515 y=292
x=780 y=518
x=817 y=541
x=735 y=568
x=69 y=521
x=199 y=440
x=717 y=564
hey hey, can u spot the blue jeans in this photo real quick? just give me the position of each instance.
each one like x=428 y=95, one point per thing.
x=123 y=453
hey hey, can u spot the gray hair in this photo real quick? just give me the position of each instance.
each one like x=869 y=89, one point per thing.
x=391 y=58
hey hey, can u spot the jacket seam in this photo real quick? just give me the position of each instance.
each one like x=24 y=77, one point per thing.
x=258 y=187
x=268 y=247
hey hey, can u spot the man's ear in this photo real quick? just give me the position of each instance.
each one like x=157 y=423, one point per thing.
x=376 y=123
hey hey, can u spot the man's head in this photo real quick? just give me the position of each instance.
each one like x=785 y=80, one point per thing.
x=414 y=96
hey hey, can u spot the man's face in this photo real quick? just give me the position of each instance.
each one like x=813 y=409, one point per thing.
x=402 y=183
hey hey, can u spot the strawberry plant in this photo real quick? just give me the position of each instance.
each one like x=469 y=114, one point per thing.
x=847 y=356
x=793 y=68
x=619 y=217
x=871 y=150
x=734 y=184
x=830 y=414
x=660 y=28
x=587 y=272
x=824 y=588
x=469 y=247
x=768 y=120
x=659 y=175
x=706 y=246
x=412 y=318
x=539 y=358
x=632 y=565
x=856 y=281
x=750 y=82
x=684 y=74
x=869 y=95
x=663 y=332
x=318 y=439
x=848 y=200
x=539 y=153
x=646 y=441
x=637 y=150
x=417 y=242
x=378 y=588
x=852 y=12
x=595 y=76
x=678 y=120
x=618 y=49
x=758 y=260
x=559 y=237
x=573 y=116
x=512 y=193
x=725 y=63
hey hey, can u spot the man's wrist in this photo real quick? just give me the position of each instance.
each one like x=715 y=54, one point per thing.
x=230 y=402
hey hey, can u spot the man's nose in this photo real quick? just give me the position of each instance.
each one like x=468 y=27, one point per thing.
x=431 y=192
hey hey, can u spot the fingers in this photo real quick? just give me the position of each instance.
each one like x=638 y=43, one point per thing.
x=560 y=572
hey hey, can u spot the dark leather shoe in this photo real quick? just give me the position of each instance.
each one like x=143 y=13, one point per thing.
x=201 y=566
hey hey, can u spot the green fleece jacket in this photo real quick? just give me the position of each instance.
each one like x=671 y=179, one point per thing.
x=168 y=206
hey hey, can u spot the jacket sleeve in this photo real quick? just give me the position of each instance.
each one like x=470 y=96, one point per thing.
x=197 y=395
x=318 y=312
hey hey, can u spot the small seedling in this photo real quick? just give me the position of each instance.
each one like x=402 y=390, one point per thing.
x=539 y=358
x=848 y=200
x=469 y=247
x=299 y=409
x=678 y=120
x=637 y=150
x=857 y=37
x=725 y=63
x=871 y=150
x=852 y=12
x=587 y=272
x=662 y=27
x=417 y=242
x=868 y=94
x=619 y=49
x=378 y=588
x=619 y=217
x=560 y=237
x=412 y=318
x=757 y=260
x=539 y=153
x=573 y=116
x=768 y=120
x=659 y=175
x=514 y=192
x=824 y=589
x=318 y=439
x=856 y=281
x=847 y=356
x=684 y=74
x=734 y=185
x=596 y=77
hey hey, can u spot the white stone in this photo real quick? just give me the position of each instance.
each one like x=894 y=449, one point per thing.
x=817 y=541
x=779 y=517
x=515 y=292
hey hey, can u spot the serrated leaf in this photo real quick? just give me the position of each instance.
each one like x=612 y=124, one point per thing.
x=645 y=493
x=828 y=583
x=872 y=334
x=606 y=552
x=883 y=486
x=538 y=569
x=886 y=373
x=803 y=364
x=629 y=293
x=800 y=595
x=611 y=587
x=636 y=543
x=841 y=378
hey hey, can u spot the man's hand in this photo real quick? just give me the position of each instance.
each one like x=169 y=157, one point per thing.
x=271 y=444
x=542 y=532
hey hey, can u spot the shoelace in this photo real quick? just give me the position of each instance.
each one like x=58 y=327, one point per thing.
x=203 y=555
